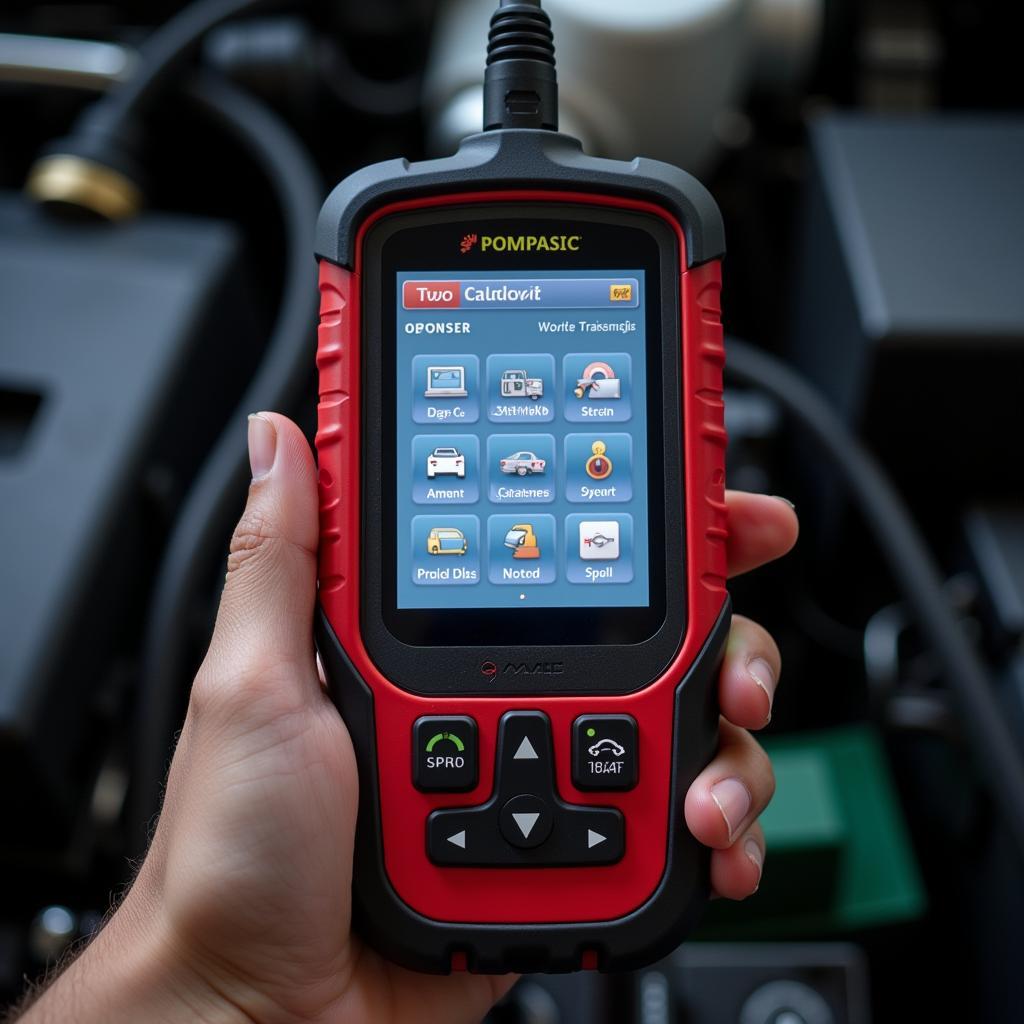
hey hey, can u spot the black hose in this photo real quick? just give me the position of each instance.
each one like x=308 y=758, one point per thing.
x=204 y=521
x=373 y=97
x=108 y=132
x=912 y=566
x=162 y=54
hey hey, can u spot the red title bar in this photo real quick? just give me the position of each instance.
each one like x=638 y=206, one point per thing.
x=431 y=294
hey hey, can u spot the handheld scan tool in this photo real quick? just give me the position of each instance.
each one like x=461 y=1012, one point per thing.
x=522 y=564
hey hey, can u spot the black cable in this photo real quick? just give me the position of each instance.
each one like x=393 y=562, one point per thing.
x=913 y=568
x=208 y=512
x=163 y=53
x=374 y=97
x=106 y=131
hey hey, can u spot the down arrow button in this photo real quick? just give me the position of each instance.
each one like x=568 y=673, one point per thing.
x=525 y=821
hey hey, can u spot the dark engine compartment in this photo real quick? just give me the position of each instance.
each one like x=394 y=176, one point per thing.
x=871 y=191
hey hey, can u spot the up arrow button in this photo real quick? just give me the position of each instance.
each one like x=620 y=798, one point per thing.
x=525 y=751
x=525 y=760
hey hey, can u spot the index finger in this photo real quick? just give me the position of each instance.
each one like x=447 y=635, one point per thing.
x=762 y=528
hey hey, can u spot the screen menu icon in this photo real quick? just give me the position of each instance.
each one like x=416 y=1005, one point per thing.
x=446 y=382
x=445 y=389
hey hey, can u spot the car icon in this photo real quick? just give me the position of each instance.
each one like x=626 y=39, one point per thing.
x=446 y=462
x=518 y=384
x=607 y=745
x=446 y=540
x=522 y=464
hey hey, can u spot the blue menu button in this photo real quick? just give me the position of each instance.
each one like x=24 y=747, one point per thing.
x=445 y=550
x=521 y=549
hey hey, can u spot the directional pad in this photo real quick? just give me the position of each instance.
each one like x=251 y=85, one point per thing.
x=524 y=823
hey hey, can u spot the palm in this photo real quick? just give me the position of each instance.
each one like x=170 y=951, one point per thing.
x=258 y=867
x=252 y=859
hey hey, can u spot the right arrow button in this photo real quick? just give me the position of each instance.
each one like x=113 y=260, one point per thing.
x=598 y=834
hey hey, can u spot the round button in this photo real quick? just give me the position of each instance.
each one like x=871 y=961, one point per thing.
x=525 y=821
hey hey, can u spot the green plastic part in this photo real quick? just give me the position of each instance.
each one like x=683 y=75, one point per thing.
x=839 y=857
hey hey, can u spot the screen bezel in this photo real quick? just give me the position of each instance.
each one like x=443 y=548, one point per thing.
x=602 y=648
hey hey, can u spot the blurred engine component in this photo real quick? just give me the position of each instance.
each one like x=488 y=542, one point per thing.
x=555 y=999
x=994 y=541
x=756 y=983
x=908 y=310
x=107 y=333
x=285 y=60
x=904 y=304
x=652 y=76
x=74 y=63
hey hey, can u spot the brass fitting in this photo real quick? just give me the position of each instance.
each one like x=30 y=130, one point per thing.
x=76 y=181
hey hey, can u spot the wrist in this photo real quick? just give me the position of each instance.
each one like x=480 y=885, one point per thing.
x=134 y=970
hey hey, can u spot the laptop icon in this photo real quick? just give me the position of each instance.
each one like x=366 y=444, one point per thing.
x=446 y=382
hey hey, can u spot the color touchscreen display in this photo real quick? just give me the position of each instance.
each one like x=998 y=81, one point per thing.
x=521 y=440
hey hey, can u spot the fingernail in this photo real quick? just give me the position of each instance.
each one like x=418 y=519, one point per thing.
x=756 y=857
x=779 y=497
x=733 y=801
x=764 y=678
x=262 y=445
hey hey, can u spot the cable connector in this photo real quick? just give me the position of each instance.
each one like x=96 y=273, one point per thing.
x=94 y=170
x=520 y=85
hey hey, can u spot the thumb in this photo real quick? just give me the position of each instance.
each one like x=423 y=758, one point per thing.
x=265 y=619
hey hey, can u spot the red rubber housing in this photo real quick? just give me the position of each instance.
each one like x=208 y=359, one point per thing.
x=494 y=895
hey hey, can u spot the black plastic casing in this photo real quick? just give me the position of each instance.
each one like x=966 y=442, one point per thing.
x=520 y=158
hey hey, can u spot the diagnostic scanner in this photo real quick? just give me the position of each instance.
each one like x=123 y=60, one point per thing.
x=522 y=596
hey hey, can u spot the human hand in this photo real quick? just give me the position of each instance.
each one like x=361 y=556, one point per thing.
x=725 y=800
x=241 y=909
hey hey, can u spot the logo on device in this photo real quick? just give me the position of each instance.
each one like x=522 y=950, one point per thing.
x=538 y=668
x=467 y=243
x=531 y=243
x=431 y=295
